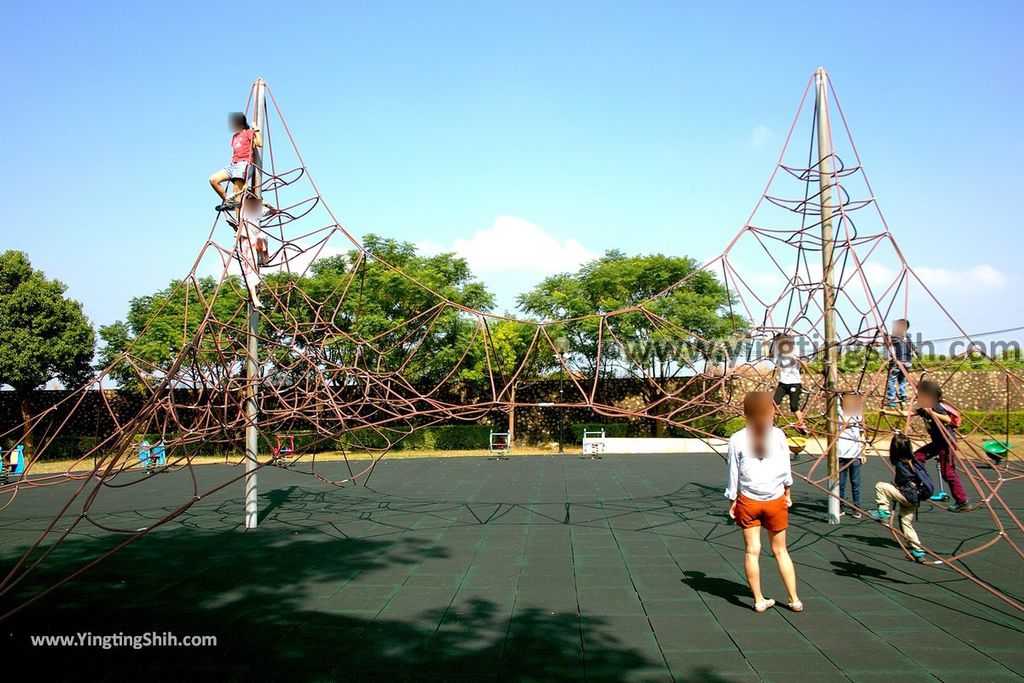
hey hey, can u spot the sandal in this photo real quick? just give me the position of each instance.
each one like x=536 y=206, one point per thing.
x=764 y=605
x=795 y=606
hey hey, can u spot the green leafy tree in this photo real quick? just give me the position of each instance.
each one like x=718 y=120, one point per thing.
x=510 y=361
x=396 y=323
x=349 y=311
x=140 y=350
x=45 y=335
x=654 y=334
x=696 y=314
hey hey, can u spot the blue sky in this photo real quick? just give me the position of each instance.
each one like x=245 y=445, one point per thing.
x=638 y=126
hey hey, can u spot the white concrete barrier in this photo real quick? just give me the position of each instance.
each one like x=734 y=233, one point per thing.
x=652 y=445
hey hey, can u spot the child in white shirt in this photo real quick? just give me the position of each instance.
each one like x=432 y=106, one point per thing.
x=850 y=448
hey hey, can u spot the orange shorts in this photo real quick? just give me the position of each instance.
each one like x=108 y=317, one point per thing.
x=773 y=515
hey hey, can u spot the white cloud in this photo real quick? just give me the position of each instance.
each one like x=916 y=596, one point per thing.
x=880 y=275
x=877 y=274
x=513 y=243
x=760 y=136
x=982 y=276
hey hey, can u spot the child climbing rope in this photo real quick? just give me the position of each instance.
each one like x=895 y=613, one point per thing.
x=239 y=170
x=911 y=484
x=788 y=365
x=265 y=213
x=759 y=488
x=899 y=362
x=250 y=245
x=941 y=420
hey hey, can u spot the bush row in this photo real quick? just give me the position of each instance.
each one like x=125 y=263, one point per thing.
x=476 y=437
x=992 y=422
x=440 y=437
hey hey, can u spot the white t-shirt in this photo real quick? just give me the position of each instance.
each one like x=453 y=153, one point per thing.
x=789 y=369
x=764 y=478
x=849 y=444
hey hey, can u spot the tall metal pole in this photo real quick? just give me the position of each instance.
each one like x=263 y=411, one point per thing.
x=828 y=291
x=561 y=403
x=252 y=361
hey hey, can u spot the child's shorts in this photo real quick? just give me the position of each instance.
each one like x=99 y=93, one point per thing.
x=793 y=391
x=237 y=170
x=773 y=515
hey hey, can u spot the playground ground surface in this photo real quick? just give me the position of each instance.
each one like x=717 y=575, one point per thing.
x=531 y=568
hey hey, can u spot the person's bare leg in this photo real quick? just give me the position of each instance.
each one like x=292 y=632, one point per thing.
x=785 y=562
x=254 y=295
x=216 y=181
x=751 y=562
x=238 y=185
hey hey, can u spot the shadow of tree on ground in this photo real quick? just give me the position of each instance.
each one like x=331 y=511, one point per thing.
x=278 y=608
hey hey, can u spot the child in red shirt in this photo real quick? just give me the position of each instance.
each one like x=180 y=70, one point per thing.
x=240 y=168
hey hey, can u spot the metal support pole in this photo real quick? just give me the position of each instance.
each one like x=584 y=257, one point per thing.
x=828 y=292
x=252 y=351
x=561 y=403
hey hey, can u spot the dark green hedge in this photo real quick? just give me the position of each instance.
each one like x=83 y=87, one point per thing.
x=475 y=437
x=440 y=438
x=995 y=422
x=611 y=429
x=700 y=428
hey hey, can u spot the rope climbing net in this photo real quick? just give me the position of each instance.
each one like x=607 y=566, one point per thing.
x=353 y=376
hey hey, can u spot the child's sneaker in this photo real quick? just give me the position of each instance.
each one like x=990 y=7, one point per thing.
x=918 y=555
x=965 y=506
x=881 y=515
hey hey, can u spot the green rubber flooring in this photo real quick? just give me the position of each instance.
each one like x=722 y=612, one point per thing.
x=545 y=568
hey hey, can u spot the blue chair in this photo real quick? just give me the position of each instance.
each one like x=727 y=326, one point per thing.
x=145 y=453
x=17 y=465
x=158 y=456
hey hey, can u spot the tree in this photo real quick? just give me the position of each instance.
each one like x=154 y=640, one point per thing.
x=393 y=317
x=661 y=334
x=141 y=349
x=510 y=343
x=350 y=311
x=697 y=313
x=45 y=335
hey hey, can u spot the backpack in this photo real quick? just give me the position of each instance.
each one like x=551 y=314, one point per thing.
x=925 y=486
x=955 y=418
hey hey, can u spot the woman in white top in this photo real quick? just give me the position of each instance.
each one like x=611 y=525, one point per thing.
x=759 y=485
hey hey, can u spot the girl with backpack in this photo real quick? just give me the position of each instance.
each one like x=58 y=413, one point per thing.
x=941 y=420
x=910 y=486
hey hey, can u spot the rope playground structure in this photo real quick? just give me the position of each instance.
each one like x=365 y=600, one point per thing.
x=268 y=347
